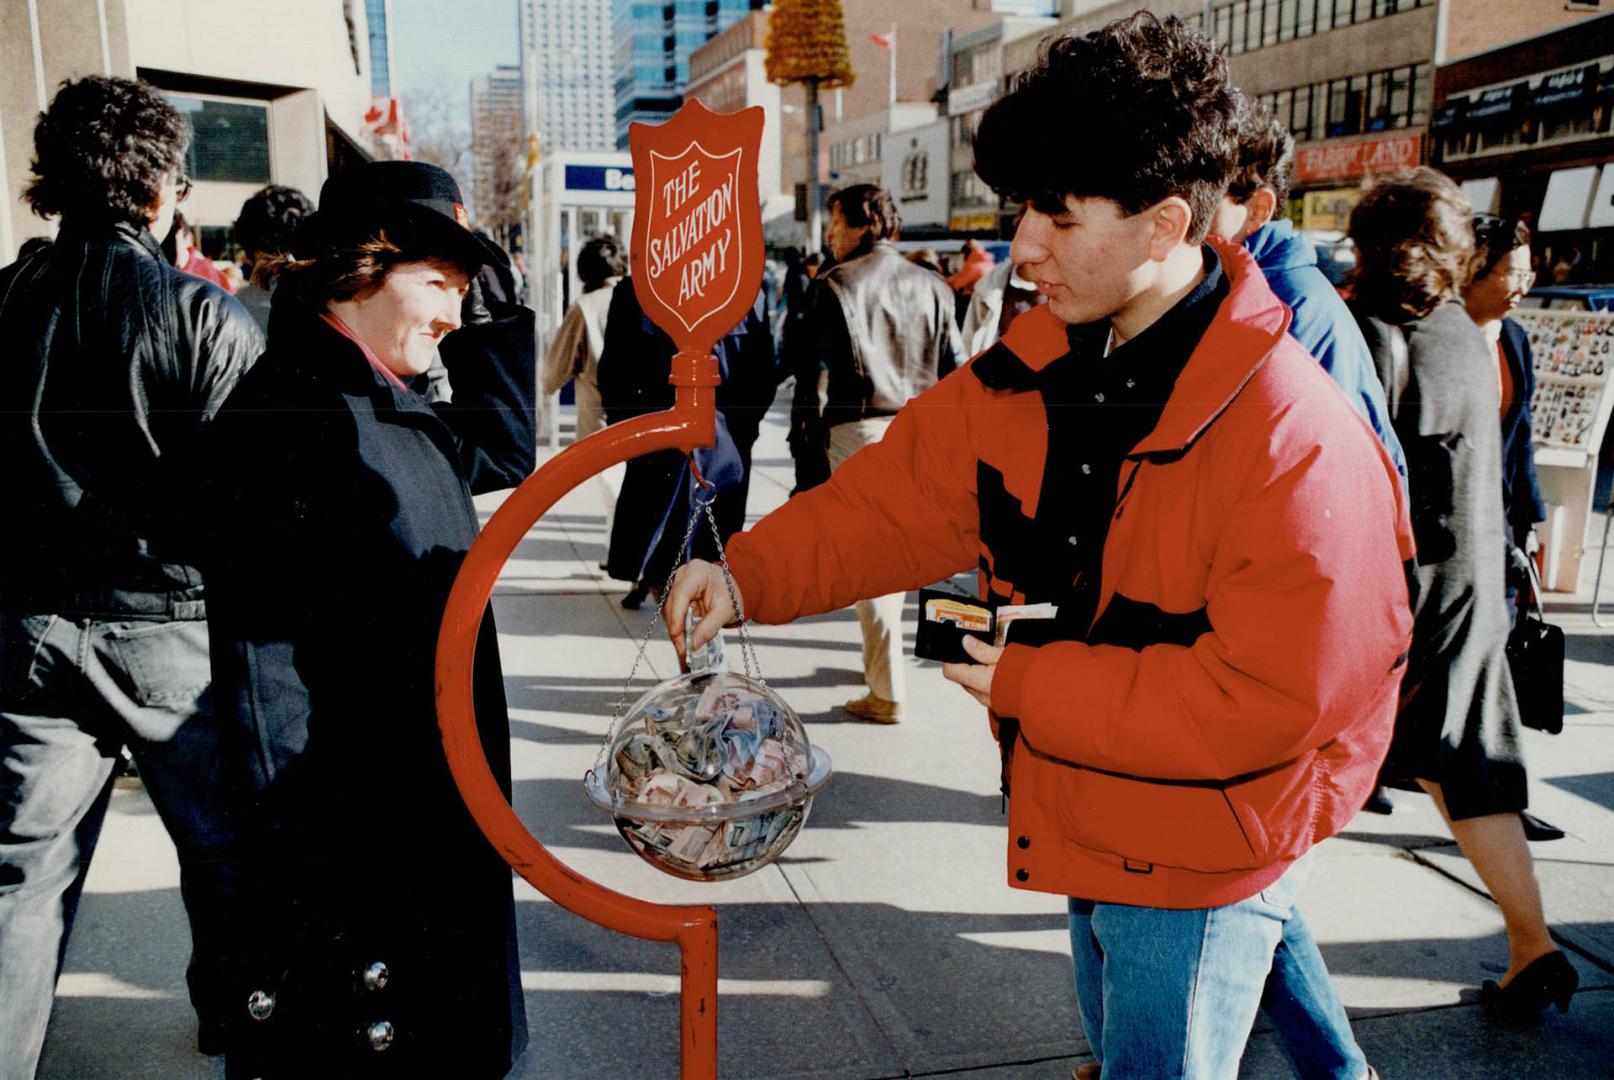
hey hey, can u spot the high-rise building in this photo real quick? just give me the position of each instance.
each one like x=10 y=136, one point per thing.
x=566 y=53
x=498 y=135
x=652 y=40
x=378 y=21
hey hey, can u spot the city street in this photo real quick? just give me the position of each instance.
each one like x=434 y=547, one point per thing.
x=886 y=943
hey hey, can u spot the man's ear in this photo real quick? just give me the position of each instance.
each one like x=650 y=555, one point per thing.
x=1173 y=218
x=1262 y=204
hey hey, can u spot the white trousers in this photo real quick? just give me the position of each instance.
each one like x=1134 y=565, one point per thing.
x=880 y=618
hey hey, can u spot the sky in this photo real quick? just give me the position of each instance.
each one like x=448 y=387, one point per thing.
x=440 y=45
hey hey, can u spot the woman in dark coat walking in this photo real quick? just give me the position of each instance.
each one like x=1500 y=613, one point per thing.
x=380 y=935
x=1457 y=732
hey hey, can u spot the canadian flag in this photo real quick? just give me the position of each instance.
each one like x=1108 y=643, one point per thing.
x=882 y=40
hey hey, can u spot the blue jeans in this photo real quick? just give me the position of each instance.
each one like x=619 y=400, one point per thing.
x=1166 y=993
x=73 y=692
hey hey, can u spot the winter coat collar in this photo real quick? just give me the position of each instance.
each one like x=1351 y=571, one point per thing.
x=1277 y=246
x=119 y=232
x=1249 y=324
x=322 y=354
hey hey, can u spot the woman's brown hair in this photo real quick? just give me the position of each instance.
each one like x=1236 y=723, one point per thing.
x=356 y=265
x=1415 y=244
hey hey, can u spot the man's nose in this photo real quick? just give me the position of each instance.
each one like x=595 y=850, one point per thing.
x=1029 y=246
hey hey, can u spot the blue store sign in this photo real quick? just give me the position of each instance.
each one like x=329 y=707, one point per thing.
x=599 y=178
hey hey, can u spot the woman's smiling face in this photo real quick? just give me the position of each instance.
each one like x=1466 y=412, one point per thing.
x=417 y=304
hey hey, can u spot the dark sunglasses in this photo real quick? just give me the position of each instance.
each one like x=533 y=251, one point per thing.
x=182 y=189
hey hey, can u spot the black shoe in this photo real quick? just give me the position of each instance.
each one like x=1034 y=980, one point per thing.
x=1547 y=980
x=1379 y=802
x=635 y=597
x=1538 y=830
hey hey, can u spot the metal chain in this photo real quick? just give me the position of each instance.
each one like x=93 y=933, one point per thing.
x=753 y=669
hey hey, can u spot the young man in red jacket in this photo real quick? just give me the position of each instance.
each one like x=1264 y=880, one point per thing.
x=1222 y=535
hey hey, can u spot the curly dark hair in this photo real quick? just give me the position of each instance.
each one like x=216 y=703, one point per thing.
x=868 y=204
x=1495 y=238
x=103 y=149
x=269 y=220
x=356 y=264
x=600 y=260
x=1266 y=157
x=1134 y=112
x=1415 y=244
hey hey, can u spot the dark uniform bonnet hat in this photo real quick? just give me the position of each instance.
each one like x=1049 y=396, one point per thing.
x=354 y=202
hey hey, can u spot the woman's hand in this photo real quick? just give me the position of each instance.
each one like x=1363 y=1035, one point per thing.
x=977 y=677
x=700 y=583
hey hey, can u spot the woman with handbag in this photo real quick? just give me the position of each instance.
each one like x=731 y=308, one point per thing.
x=378 y=934
x=1457 y=731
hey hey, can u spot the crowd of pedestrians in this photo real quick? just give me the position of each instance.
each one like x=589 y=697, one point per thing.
x=1263 y=545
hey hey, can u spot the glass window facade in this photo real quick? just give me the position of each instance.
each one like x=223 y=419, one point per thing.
x=654 y=41
x=1247 y=25
x=1375 y=101
x=230 y=139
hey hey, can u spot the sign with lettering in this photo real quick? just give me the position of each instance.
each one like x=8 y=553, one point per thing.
x=1342 y=161
x=697 y=222
x=598 y=178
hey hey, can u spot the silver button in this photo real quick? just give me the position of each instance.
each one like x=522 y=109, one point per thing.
x=1098 y=397
x=375 y=976
x=1071 y=540
x=260 y=1004
x=380 y=1035
x=1086 y=469
x=1130 y=383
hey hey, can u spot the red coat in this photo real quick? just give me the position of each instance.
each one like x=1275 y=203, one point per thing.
x=1261 y=509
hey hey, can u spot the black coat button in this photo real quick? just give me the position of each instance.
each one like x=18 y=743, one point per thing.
x=1024 y=842
x=1022 y=874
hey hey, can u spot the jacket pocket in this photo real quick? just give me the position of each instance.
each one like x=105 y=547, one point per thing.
x=1278 y=810
x=1192 y=827
x=159 y=664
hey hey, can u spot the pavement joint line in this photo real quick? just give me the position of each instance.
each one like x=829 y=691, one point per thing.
x=1564 y=942
x=829 y=947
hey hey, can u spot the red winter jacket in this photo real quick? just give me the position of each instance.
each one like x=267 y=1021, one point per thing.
x=1252 y=593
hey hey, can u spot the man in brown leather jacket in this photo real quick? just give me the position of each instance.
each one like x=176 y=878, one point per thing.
x=883 y=330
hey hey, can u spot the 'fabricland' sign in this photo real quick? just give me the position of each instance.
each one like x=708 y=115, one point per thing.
x=1338 y=162
x=598 y=178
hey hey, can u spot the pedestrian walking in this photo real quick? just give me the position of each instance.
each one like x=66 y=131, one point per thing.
x=264 y=230
x=978 y=262
x=997 y=300
x=1457 y=730
x=652 y=510
x=1215 y=691
x=115 y=362
x=378 y=923
x=574 y=355
x=181 y=250
x=801 y=362
x=882 y=329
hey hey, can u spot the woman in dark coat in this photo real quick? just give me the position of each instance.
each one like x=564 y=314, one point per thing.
x=1457 y=732
x=380 y=937
x=652 y=509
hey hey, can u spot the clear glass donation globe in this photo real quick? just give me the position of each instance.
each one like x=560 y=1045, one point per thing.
x=708 y=776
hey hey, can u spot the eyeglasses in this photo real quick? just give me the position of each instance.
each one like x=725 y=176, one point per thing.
x=1520 y=279
x=182 y=188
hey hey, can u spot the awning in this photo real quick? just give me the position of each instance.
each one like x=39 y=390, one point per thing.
x=1565 y=88
x=1499 y=102
x=1453 y=112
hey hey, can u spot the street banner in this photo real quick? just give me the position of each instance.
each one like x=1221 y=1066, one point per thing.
x=1347 y=161
x=697 y=222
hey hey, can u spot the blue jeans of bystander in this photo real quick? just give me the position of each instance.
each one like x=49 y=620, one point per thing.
x=73 y=692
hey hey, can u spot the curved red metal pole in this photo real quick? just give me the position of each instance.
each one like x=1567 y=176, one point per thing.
x=689 y=424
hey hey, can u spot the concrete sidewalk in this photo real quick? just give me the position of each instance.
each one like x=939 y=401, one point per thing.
x=886 y=942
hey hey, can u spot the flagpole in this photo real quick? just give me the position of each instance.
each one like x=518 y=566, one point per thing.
x=893 y=65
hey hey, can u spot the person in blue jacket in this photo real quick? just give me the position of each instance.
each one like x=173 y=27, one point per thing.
x=1252 y=214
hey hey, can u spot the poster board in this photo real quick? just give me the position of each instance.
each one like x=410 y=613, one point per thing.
x=1574 y=361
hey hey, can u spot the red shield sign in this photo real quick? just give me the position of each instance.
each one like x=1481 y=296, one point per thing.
x=697 y=223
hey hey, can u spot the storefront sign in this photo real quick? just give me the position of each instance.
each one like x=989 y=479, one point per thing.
x=1452 y=113
x=598 y=178
x=697 y=222
x=1348 y=160
x=968 y=223
x=1565 y=87
x=1499 y=102
x=1329 y=211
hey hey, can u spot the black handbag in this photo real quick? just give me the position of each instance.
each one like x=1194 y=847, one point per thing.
x=1536 y=659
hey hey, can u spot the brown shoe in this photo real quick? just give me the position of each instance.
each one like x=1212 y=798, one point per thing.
x=876 y=710
x=1090 y=1071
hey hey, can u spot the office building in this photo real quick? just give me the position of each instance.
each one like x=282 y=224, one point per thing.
x=566 y=57
x=653 y=41
x=498 y=139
